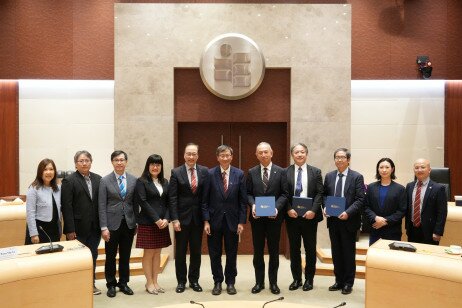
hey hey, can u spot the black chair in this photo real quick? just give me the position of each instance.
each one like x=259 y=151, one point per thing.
x=442 y=176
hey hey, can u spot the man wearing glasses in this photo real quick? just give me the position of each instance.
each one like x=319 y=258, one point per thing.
x=79 y=199
x=186 y=194
x=117 y=222
x=348 y=184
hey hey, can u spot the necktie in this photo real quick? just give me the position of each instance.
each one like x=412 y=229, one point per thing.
x=416 y=205
x=123 y=190
x=299 y=186
x=88 y=181
x=225 y=182
x=338 y=187
x=265 y=178
x=193 y=181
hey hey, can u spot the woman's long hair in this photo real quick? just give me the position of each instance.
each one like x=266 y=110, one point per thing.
x=38 y=182
x=153 y=159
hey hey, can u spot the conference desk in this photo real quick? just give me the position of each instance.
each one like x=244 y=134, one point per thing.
x=12 y=225
x=428 y=277
x=453 y=228
x=60 y=279
x=246 y=304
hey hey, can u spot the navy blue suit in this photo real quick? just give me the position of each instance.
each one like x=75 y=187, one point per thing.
x=432 y=216
x=342 y=233
x=393 y=210
x=224 y=211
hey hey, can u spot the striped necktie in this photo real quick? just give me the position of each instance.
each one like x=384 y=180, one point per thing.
x=123 y=189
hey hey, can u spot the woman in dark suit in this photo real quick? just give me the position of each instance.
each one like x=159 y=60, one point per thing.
x=385 y=203
x=43 y=205
x=152 y=216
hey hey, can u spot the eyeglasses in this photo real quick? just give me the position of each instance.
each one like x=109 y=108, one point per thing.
x=121 y=160
x=224 y=155
x=340 y=158
x=84 y=161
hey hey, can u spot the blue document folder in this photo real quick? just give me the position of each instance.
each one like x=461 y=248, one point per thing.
x=301 y=205
x=335 y=205
x=265 y=206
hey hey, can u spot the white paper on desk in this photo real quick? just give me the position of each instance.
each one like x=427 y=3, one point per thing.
x=8 y=253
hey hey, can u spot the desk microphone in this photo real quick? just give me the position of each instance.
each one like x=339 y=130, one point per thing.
x=48 y=248
x=196 y=303
x=342 y=304
x=274 y=300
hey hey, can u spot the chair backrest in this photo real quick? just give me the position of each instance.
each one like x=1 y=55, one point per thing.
x=442 y=176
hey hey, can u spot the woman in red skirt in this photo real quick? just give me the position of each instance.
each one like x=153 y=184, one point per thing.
x=151 y=209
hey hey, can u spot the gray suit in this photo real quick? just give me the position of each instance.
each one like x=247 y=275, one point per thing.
x=116 y=214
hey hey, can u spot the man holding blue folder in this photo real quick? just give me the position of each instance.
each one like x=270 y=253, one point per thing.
x=303 y=214
x=347 y=186
x=266 y=180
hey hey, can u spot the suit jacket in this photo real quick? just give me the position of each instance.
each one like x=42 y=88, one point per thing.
x=277 y=187
x=353 y=192
x=434 y=209
x=233 y=202
x=185 y=205
x=315 y=189
x=79 y=209
x=40 y=206
x=112 y=207
x=393 y=209
x=149 y=206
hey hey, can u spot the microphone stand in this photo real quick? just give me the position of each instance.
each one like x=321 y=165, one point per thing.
x=48 y=248
x=274 y=300
x=341 y=304
x=196 y=303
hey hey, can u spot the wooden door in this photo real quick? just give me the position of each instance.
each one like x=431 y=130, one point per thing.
x=243 y=138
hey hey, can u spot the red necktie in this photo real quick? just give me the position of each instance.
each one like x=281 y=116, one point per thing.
x=225 y=182
x=193 y=181
x=416 y=217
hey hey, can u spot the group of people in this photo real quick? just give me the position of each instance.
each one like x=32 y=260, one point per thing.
x=215 y=201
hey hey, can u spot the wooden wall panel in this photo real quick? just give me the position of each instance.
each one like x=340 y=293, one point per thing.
x=9 y=141
x=452 y=134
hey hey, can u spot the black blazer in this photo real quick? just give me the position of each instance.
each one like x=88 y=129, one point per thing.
x=353 y=192
x=233 y=202
x=434 y=209
x=277 y=187
x=184 y=205
x=394 y=206
x=315 y=189
x=149 y=206
x=79 y=210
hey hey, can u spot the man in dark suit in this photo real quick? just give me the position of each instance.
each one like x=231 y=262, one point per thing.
x=117 y=222
x=266 y=179
x=224 y=213
x=303 y=181
x=79 y=204
x=186 y=193
x=349 y=184
x=427 y=206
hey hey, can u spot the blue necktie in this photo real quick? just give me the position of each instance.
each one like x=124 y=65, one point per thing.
x=299 y=186
x=338 y=187
x=123 y=190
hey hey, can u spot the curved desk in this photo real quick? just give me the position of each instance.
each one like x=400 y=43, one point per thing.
x=13 y=225
x=60 y=279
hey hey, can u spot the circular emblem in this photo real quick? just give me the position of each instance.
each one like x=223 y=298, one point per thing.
x=232 y=66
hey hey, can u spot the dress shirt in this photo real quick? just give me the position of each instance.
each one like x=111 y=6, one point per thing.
x=345 y=173
x=269 y=170
x=304 y=192
x=423 y=189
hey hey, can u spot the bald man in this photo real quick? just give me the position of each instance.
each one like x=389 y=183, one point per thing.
x=427 y=206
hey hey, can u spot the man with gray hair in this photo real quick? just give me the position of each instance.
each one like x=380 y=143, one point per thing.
x=79 y=203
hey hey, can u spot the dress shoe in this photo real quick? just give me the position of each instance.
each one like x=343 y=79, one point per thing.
x=230 y=289
x=347 y=290
x=307 y=286
x=335 y=287
x=151 y=290
x=180 y=287
x=257 y=288
x=195 y=286
x=295 y=285
x=111 y=291
x=274 y=288
x=125 y=289
x=96 y=291
x=216 y=288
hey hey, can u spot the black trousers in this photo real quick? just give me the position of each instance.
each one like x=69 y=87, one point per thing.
x=416 y=235
x=92 y=242
x=343 y=245
x=215 y=245
x=270 y=230
x=121 y=239
x=191 y=236
x=299 y=229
